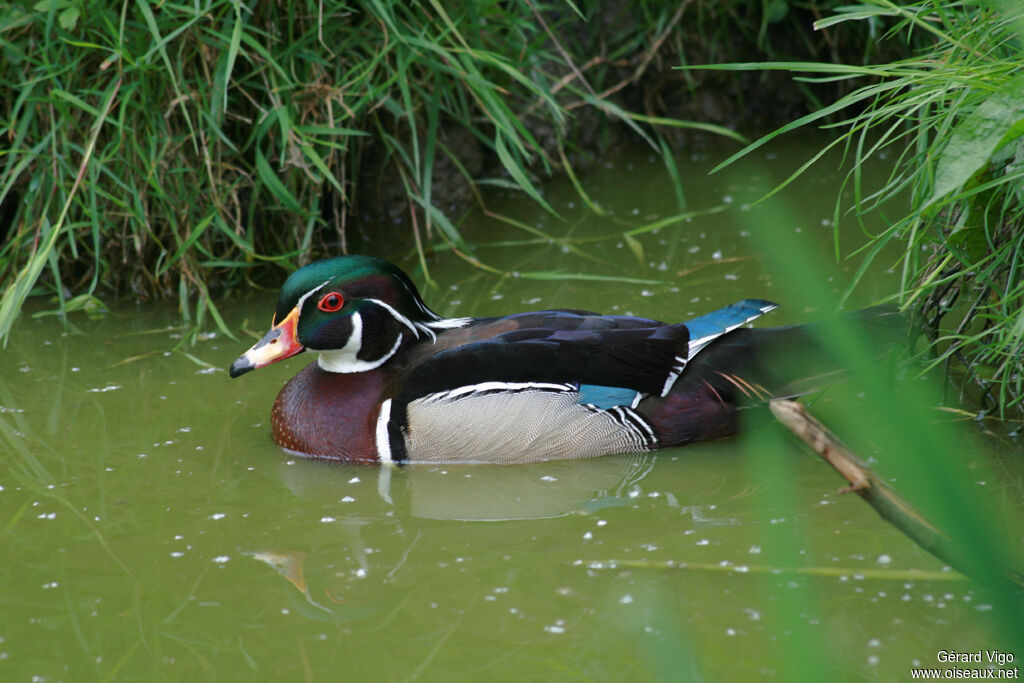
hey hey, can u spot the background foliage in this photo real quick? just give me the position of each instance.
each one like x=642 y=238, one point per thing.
x=952 y=115
x=171 y=149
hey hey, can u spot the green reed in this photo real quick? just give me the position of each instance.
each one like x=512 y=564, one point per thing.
x=922 y=456
x=166 y=149
x=951 y=116
x=931 y=462
x=181 y=150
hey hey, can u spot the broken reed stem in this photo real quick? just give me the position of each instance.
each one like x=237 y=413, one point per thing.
x=866 y=483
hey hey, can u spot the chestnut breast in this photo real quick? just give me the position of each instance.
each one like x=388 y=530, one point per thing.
x=329 y=415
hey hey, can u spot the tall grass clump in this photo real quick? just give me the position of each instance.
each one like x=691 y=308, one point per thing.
x=952 y=117
x=165 y=149
x=175 y=149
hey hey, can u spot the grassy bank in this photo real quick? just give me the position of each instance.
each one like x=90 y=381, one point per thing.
x=164 y=150
x=953 y=118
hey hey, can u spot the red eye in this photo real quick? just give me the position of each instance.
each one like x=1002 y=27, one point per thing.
x=330 y=302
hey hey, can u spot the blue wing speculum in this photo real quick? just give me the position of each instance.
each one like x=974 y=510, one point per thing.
x=702 y=331
x=711 y=326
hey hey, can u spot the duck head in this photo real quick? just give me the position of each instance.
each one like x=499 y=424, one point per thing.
x=357 y=312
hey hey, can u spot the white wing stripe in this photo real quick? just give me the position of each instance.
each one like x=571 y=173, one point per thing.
x=696 y=345
x=397 y=316
x=494 y=387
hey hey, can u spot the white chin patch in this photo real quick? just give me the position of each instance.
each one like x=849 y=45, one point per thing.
x=345 y=359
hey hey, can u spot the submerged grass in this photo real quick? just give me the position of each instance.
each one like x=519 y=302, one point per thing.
x=953 y=118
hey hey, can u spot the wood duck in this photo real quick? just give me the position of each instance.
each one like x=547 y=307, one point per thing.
x=394 y=382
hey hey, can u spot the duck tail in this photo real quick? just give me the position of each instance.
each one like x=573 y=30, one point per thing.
x=748 y=367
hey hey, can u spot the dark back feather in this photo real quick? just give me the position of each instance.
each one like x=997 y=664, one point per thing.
x=748 y=367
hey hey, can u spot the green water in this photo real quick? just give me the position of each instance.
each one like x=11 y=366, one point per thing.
x=150 y=529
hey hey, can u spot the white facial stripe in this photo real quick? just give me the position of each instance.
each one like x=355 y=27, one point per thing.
x=302 y=299
x=397 y=316
x=383 y=443
x=427 y=328
x=416 y=300
x=345 y=359
x=355 y=340
x=336 y=361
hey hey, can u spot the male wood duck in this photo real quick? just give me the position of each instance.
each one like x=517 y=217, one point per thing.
x=394 y=382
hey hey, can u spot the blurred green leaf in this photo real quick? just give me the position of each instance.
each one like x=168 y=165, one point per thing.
x=47 y=5
x=977 y=137
x=775 y=11
x=68 y=18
